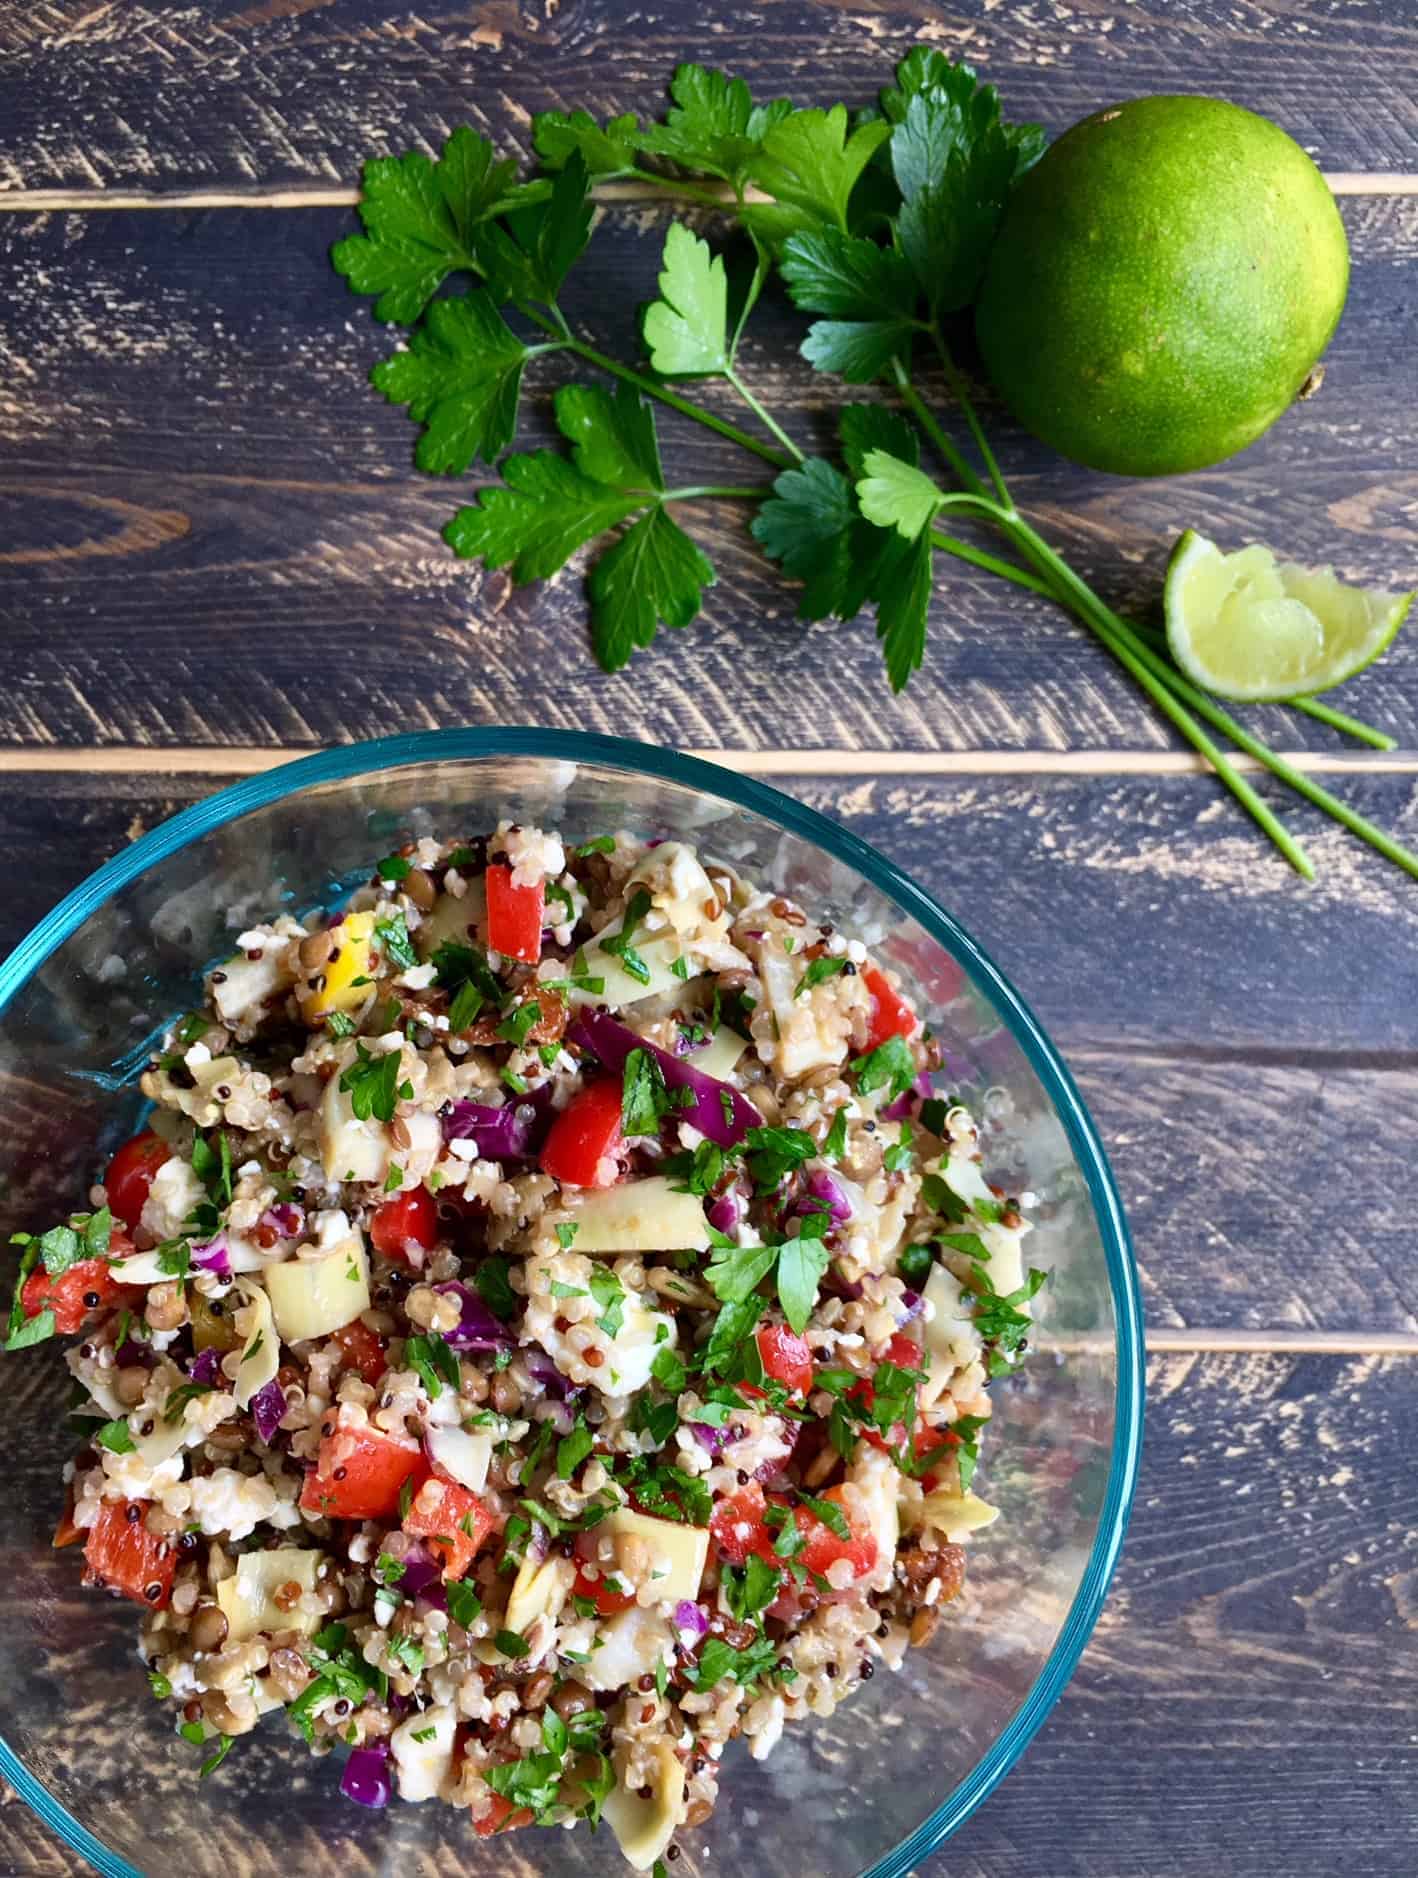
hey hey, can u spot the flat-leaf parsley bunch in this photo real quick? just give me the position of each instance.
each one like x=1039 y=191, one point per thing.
x=878 y=224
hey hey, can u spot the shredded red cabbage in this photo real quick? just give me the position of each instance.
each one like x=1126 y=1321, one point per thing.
x=213 y=1257
x=268 y=1405
x=285 y=1219
x=420 y=1576
x=713 y=1440
x=718 y=1111
x=726 y=1213
x=500 y=1134
x=477 y=1328
x=691 y=1623
x=905 y=1106
x=204 y=1366
x=823 y=1189
x=543 y=1370
x=366 y=1777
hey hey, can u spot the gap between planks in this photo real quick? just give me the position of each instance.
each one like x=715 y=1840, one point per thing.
x=315 y=196
x=227 y=760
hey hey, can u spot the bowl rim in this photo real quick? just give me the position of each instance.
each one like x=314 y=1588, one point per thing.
x=369 y=759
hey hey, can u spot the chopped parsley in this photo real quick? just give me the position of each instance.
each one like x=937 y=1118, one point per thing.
x=394 y=867
x=891 y=1066
x=494 y=1287
x=398 y=947
x=572 y=1449
x=835 y=1145
x=619 y=946
x=510 y=1644
x=373 y=1084
x=464 y=1604
x=520 y=1022
x=609 y=1295
x=435 y=1361
x=818 y=972
x=566 y=1232
x=644 y=1099
x=116 y=1436
x=750 y=1588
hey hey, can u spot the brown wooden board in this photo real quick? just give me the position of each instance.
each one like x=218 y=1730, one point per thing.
x=297 y=91
x=1245 y=1705
x=213 y=532
x=1257 y=1103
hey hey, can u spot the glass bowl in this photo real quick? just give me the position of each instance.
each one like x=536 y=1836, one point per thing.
x=879 y=1785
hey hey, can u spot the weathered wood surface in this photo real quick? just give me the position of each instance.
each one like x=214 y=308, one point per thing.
x=297 y=91
x=213 y=530
x=1246 y=1704
x=1225 y=1065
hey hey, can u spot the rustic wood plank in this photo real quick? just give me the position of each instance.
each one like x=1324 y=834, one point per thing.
x=1225 y=1065
x=270 y=95
x=1246 y=1702
x=199 y=479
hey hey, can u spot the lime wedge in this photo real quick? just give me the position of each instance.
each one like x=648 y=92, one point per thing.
x=1249 y=627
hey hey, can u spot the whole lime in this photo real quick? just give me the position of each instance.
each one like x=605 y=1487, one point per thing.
x=1163 y=283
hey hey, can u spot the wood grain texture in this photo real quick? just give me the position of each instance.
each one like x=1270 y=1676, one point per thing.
x=271 y=94
x=198 y=479
x=1245 y=1705
x=1225 y=1065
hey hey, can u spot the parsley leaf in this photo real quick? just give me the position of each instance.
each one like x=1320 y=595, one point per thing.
x=572 y=1449
x=644 y=1099
x=718 y=1659
x=435 y=1362
x=749 y=1590
x=685 y=329
x=653 y=576
x=461 y=377
x=373 y=1084
x=528 y=253
x=494 y=1287
x=393 y=936
x=606 y=150
x=809 y=161
x=818 y=972
x=890 y=1065
x=418 y=218
x=609 y=1295
x=464 y=1604
x=613 y=441
x=801 y=1263
x=835 y=1145
x=714 y=126
x=115 y=1436
x=898 y=495
x=735 y=1272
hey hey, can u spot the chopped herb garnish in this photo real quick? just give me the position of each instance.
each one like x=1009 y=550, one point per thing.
x=519 y=1023
x=572 y=1449
x=598 y=844
x=510 y=1644
x=494 y=1287
x=818 y=972
x=394 y=867
x=835 y=1145
x=609 y=1295
x=464 y=1604
x=116 y=1436
x=398 y=947
x=891 y=1066
x=373 y=1084
x=619 y=946
x=566 y=1232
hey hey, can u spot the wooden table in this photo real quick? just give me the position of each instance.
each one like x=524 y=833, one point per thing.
x=216 y=553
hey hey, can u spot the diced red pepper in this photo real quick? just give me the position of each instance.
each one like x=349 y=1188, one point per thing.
x=122 y=1554
x=451 y=1520
x=359 y=1473
x=739 y=1525
x=514 y=915
x=905 y=1354
x=130 y=1175
x=502 y=1816
x=891 y=1015
x=740 y=1528
x=928 y=1444
x=76 y=1294
x=408 y=1216
x=584 y=1146
x=607 y=1601
x=786 y=1357
x=362 y=1350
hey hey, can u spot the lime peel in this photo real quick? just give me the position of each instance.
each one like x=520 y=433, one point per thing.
x=1251 y=628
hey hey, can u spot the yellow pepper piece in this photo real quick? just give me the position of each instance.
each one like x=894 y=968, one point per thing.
x=350 y=973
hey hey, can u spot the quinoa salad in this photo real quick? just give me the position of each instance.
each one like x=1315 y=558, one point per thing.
x=543 y=1332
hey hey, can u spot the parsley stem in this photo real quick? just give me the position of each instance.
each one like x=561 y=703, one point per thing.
x=749 y=492
x=1163 y=688
x=956 y=382
x=979 y=557
x=672 y=399
x=1127 y=640
x=764 y=416
x=1339 y=720
x=911 y=398
x=1353 y=727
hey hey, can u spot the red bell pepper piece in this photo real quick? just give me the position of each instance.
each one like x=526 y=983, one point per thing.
x=891 y=1015
x=123 y=1555
x=412 y=1215
x=583 y=1147
x=359 y=1473
x=76 y=1294
x=451 y=1520
x=514 y=915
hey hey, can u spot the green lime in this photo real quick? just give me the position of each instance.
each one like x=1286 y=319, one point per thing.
x=1250 y=627
x=1163 y=283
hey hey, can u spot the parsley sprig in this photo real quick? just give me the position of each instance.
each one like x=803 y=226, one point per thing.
x=879 y=226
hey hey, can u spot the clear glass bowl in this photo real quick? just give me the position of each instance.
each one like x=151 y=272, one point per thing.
x=903 y=1763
